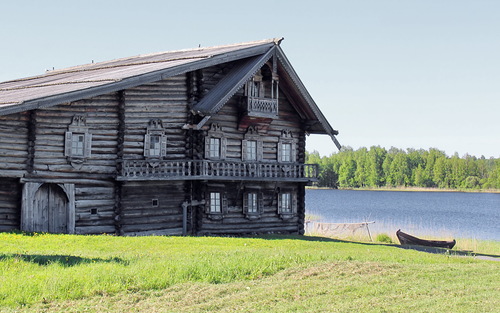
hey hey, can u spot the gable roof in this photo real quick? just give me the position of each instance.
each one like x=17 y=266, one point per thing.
x=90 y=80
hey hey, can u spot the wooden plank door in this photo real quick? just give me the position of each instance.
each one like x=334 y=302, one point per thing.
x=50 y=210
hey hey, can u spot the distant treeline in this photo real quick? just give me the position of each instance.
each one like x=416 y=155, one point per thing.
x=378 y=167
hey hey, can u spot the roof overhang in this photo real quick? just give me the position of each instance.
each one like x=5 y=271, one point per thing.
x=38 y=92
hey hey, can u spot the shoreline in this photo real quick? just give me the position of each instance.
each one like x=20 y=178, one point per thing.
x=410 y=189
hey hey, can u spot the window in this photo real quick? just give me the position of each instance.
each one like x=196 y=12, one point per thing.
x=214 y=148
x=252 y=202
x=286 y=152
x=215 y=143
x=286 y=147
x=155 y=140
x=286 y=203
x=154 y=203
x=77 y=144
x=251 y=150
x=251 y=145
x=215 y=202
x=154 y=146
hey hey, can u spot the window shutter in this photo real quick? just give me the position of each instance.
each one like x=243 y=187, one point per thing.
x=207 y=202
x=245 y=202
x=207 y=147
x=223 y=145
x=147 y=144
x=244 y=150
x=279 y=151
x=67 y=144
x=260 y=153
x=260 y=202
x=163 y=146
x=223 y=203
x=279 y=202
x=293 y=153
x=294 y=202
x=87 y=151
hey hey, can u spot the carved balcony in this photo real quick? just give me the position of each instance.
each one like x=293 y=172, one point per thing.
x=262 y=107
x=141 y=170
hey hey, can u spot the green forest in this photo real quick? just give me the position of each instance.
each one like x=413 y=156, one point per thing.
x=378 y=167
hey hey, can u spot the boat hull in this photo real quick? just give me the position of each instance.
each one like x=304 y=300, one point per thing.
x=406 y=239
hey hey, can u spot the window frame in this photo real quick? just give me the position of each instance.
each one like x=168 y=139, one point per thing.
x=215 y=202
x=77 y=155
x=286 y=140
x=77 y=144
x=252 y=135
x=215 y=132
x=251 y=150
x=215 y=211
x=254 y=210
x=155 y=130
x=291 y=208
x=214 y=148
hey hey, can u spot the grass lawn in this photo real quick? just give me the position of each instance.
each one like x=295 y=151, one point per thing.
x=70 y=273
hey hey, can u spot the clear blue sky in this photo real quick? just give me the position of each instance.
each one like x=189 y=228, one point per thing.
x=408 y=74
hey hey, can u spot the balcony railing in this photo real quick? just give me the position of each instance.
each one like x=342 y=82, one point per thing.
x=263 y=107
x=216 y=170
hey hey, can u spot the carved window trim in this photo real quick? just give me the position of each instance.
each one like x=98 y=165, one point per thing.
x=155 y=134
x=215 y=134
x=78 y=141
x=216 y=204
x=287 y=203
x=252 y=136
x=253 y=204
x=287 y=151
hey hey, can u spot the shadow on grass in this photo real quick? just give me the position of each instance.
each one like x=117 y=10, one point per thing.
x=482 y=256
x=62 y=260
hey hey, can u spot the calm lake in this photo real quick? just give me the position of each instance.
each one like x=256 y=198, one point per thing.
x=456 y=214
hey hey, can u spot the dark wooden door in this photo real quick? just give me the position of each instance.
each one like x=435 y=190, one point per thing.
x=50 y=210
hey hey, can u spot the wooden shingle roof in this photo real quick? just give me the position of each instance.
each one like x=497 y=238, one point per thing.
x=90 y=80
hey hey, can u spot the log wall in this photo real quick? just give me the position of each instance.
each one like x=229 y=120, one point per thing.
x=228 y=118
x=13 y=144
x=51 y=125
x=94 y=209
x=10 y=203
x=32 y=146
x=165 y=100
x=234 y=220
x=152 y=208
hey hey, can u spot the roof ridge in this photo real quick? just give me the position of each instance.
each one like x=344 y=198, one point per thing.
x=95 y=66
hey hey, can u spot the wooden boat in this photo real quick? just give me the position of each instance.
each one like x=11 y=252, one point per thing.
x=406 y=239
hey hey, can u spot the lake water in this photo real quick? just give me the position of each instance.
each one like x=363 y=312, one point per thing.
x=453 y=214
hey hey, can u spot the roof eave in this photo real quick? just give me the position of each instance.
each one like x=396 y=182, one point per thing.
x=250 y=68
x=130 y=82
x=306 y=96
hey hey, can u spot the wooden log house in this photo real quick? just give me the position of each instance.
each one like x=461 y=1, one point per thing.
x=205 y=141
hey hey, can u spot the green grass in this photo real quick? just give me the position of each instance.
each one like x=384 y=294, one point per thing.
x=69 y=273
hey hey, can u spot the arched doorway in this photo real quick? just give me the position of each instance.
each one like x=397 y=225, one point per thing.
x=50 y=209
